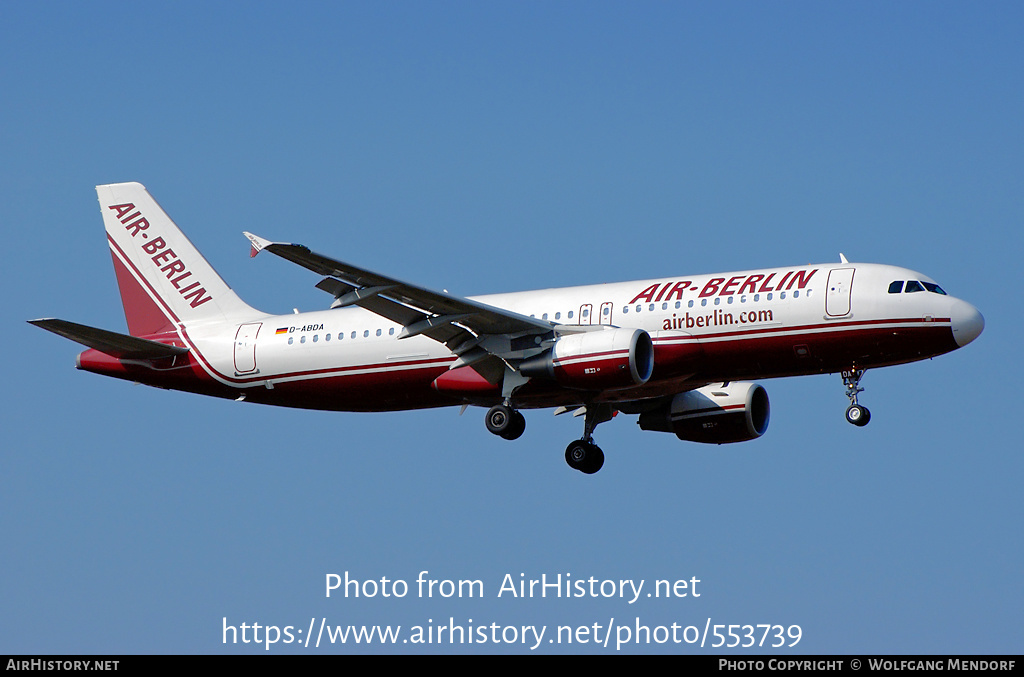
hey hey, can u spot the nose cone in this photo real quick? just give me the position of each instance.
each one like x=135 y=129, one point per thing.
x=967 y=322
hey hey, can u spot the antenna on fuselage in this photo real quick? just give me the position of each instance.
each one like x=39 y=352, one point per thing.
x=842 y=258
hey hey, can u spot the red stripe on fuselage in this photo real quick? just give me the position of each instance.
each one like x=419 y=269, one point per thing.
x=753 y=353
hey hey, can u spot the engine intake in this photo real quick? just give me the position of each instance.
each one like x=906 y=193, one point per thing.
x=719 y=414
x=597 y=360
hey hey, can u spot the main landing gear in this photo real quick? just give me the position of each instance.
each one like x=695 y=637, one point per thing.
x=504 y=421
x=582 y=454
x=856 y=414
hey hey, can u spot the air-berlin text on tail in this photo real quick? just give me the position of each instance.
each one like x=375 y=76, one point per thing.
x=163 y=257
x=756 y=283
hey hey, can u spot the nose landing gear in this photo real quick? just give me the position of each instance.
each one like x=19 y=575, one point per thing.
x=856 y=414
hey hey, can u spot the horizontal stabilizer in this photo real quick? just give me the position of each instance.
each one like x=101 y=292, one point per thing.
x=109 y=342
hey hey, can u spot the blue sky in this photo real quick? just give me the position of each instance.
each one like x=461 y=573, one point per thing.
x=489 y=147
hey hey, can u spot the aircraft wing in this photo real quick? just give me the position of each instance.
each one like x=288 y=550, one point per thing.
x=438 y=315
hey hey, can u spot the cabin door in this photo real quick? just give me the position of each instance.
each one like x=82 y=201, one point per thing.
x=245 y=347
x=837 y=296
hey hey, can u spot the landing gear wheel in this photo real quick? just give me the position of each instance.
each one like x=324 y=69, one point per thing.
x=596 y=462
x=499 y=419
x=504 y=421
x=858 y=415
x=584 y=456
x=516 y=428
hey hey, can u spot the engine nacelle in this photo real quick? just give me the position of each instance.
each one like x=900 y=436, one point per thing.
x=715 y=414
x=596 y=360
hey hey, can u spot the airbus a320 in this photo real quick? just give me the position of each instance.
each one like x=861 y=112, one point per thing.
x=679 y=353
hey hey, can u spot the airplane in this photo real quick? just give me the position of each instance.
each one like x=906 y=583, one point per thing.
x=680 y=353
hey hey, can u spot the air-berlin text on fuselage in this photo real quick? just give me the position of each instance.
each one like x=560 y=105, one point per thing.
x=162 y=256
x=718 y=318
x=757 y=283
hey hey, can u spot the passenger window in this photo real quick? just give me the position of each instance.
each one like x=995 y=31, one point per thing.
x=378 y=332
x=896 y=287
x=913 y=286
x=570 y=315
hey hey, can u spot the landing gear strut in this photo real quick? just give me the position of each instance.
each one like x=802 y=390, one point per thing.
x=583 y=454
x=856 y=414
x=504 y=421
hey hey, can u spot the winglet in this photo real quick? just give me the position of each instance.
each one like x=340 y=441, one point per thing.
x=257 y=242
x=842 y=258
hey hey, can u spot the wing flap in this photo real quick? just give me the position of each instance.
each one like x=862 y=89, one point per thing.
x=409 y=318
x=478 y=317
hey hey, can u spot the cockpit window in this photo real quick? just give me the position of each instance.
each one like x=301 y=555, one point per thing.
x=915 y=285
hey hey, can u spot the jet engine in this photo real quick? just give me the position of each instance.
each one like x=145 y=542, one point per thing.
x=596 y=360
x=715 y=414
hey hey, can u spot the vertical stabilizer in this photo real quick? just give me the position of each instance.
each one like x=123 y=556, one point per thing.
x=164 y=280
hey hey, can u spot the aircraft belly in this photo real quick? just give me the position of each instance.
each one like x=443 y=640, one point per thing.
x=359 y=390
x=824 y=351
